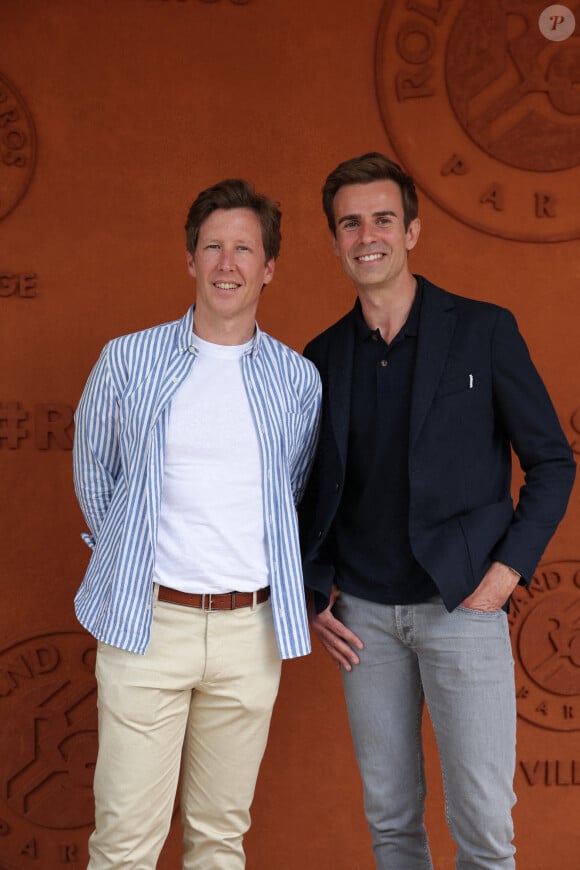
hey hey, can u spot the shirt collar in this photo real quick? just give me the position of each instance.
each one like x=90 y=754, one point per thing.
x=361 y=330
x=185 y=339
x=411 y=326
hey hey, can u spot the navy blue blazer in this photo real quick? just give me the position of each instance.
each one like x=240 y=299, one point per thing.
x=476 y=395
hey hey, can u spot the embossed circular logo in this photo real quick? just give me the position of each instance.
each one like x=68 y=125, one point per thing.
x=48 y=734
x=545 y=628
x=17 y=147
x=484 y=111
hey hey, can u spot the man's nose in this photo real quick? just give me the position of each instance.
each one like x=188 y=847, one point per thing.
x=367 y=233
x=226 y=260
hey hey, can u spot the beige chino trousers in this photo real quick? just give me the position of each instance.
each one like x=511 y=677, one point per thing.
x=200 y=702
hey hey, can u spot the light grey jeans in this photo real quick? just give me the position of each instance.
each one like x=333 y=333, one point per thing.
x=461 y=663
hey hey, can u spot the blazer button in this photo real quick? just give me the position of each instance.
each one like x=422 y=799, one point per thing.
x=337 y=486
x=319 y=535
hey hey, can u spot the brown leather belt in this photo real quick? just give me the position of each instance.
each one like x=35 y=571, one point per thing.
x=210 y=601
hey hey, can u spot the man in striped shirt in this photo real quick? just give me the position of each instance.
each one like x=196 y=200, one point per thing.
x=192 y=447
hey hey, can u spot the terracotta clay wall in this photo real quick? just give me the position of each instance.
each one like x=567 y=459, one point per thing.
x=113 y=114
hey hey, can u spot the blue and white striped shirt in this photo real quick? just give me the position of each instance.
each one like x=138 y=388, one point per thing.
x=119 y=451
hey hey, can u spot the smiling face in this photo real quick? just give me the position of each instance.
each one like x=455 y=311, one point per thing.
x=230 y=268
x=371 y=239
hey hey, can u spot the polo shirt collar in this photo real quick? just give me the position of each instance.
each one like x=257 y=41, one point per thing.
x=410 y=327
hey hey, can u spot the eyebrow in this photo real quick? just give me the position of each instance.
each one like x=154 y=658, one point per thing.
x=350 y=217
x=211 y=240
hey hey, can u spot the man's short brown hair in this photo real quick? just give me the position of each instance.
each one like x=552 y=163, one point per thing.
x=236 y=193
x=362 y=170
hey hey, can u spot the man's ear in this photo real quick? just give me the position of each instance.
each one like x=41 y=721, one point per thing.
x=412 y=234
x=190 y=263
x=269 y=270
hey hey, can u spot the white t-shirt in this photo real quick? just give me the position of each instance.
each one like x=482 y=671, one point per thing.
x=211 y=524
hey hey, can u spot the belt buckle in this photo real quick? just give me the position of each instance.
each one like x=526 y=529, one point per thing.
x=207 y=597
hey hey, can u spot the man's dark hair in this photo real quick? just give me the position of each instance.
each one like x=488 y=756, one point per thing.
x=236 y=193
x=362 y=170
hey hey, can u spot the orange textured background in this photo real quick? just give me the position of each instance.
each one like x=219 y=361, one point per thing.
x=139 y=104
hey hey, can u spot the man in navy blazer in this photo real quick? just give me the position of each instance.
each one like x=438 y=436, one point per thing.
x=412 y=545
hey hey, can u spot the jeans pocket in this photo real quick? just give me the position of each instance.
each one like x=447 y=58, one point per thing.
x=472 y=611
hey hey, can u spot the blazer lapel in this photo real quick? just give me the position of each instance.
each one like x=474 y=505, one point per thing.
x=340 y=358
x=436 y=325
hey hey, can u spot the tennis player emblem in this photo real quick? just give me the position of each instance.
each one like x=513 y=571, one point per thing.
x=545 y=629
x=481 y=103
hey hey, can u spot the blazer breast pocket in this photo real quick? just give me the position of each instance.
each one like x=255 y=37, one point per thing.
x=451 y=384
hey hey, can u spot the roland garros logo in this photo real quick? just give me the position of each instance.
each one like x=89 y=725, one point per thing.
x=482 y=104
x=545 y=629
x=48 y=734
x=17 y=147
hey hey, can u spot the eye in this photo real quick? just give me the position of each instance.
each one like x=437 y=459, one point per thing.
x=383 y=221
x=350 y=225
x=213 y=246
x=243 y=248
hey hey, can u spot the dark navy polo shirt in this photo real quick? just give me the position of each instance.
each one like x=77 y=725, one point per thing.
x=373 y=555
